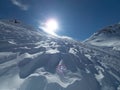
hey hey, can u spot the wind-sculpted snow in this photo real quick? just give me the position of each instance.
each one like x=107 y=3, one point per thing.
x=33 y=60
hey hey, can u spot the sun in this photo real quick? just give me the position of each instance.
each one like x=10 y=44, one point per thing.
x=51 y=26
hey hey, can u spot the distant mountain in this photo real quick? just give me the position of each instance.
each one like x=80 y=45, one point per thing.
x=107 y=37
x=31 y=59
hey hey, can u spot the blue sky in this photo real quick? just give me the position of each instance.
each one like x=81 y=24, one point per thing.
x=78 y=19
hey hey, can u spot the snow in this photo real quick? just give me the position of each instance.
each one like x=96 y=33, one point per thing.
x=12 y=42
x=87 y=71
x=55 y=78
x=108 y=37
x=42 y=44
x=88 y=56
x=3 y=54
x=52 y=51
x=11 y=83
x=27 y=55
x=117 y=48
x=29 y=60
x=118 y=87
x=73 y=51
x=99 y=76
x=104 y=42
x=117 y=77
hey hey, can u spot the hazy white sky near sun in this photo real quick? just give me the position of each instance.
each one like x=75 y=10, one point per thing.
x=50 y=26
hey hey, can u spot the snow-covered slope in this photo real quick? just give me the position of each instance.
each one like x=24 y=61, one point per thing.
x=33 y=60
x=107 y=37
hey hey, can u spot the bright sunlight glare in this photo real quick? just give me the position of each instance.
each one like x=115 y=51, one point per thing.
x=51 y=26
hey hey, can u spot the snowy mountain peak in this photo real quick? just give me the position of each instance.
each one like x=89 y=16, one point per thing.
x=108 y=37
x=113 y=29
